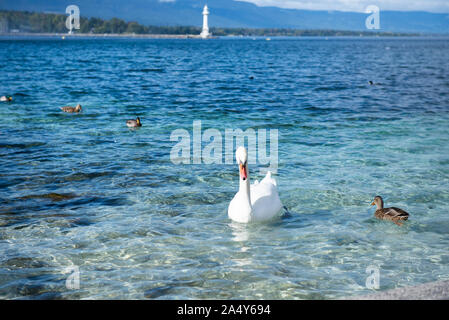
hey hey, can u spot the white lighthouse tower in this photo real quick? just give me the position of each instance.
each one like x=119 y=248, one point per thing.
x=205 y=33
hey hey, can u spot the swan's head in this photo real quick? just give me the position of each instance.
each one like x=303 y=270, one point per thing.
x=242 y=160
x=378 y=201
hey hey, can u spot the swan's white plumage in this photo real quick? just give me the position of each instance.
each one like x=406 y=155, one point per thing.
x=257 y=202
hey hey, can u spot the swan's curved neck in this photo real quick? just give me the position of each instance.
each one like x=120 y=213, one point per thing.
x=244 y=189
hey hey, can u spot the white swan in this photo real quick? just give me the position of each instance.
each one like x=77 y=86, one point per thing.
x=256 y=202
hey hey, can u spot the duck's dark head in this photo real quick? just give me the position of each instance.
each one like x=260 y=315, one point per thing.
x=9 y=98
x=378 y=201
x=138 y=121
x=78 y=108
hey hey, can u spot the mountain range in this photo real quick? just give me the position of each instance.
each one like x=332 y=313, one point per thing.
x=236 y=14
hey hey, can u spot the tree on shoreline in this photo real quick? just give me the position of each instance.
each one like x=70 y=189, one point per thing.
x=34 y=22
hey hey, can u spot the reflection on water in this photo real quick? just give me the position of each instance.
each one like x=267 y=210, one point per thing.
x=240 y=232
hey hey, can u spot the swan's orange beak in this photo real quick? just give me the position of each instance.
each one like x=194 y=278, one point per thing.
x=372 y=203
x=243 y=172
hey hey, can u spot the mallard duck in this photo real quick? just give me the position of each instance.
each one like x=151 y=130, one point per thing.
x=72 y=109
x=6 y=98
x=391 y=214
x=134 y=123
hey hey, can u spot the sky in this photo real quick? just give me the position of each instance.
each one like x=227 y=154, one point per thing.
x=441 y=6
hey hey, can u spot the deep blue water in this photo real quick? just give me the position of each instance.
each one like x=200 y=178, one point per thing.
x=84 y=190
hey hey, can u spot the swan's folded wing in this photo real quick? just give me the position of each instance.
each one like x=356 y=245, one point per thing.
x=269 y=179
x=265 y=200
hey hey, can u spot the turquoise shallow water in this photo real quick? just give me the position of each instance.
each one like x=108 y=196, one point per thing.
x=138 y=226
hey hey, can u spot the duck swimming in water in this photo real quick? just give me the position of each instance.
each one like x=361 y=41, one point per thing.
x=6 y=98
x=72 y=109
x=134 y=123
x=391 y=214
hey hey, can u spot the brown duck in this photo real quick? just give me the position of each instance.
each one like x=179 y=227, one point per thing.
x=134 y=123
x=72 y=109
x=391 y=214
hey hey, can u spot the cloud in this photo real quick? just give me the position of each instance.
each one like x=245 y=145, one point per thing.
x=357 y=5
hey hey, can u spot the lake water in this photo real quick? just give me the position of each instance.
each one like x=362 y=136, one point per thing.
x=84 y=191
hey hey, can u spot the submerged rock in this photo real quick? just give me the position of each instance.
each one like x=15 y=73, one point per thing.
x=52 y=196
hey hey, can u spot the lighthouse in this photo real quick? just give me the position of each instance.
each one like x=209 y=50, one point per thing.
x=205 y=33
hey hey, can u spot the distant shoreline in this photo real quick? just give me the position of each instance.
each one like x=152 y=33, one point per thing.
x=34 y=24
x=188 y=36
x=102 y=35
